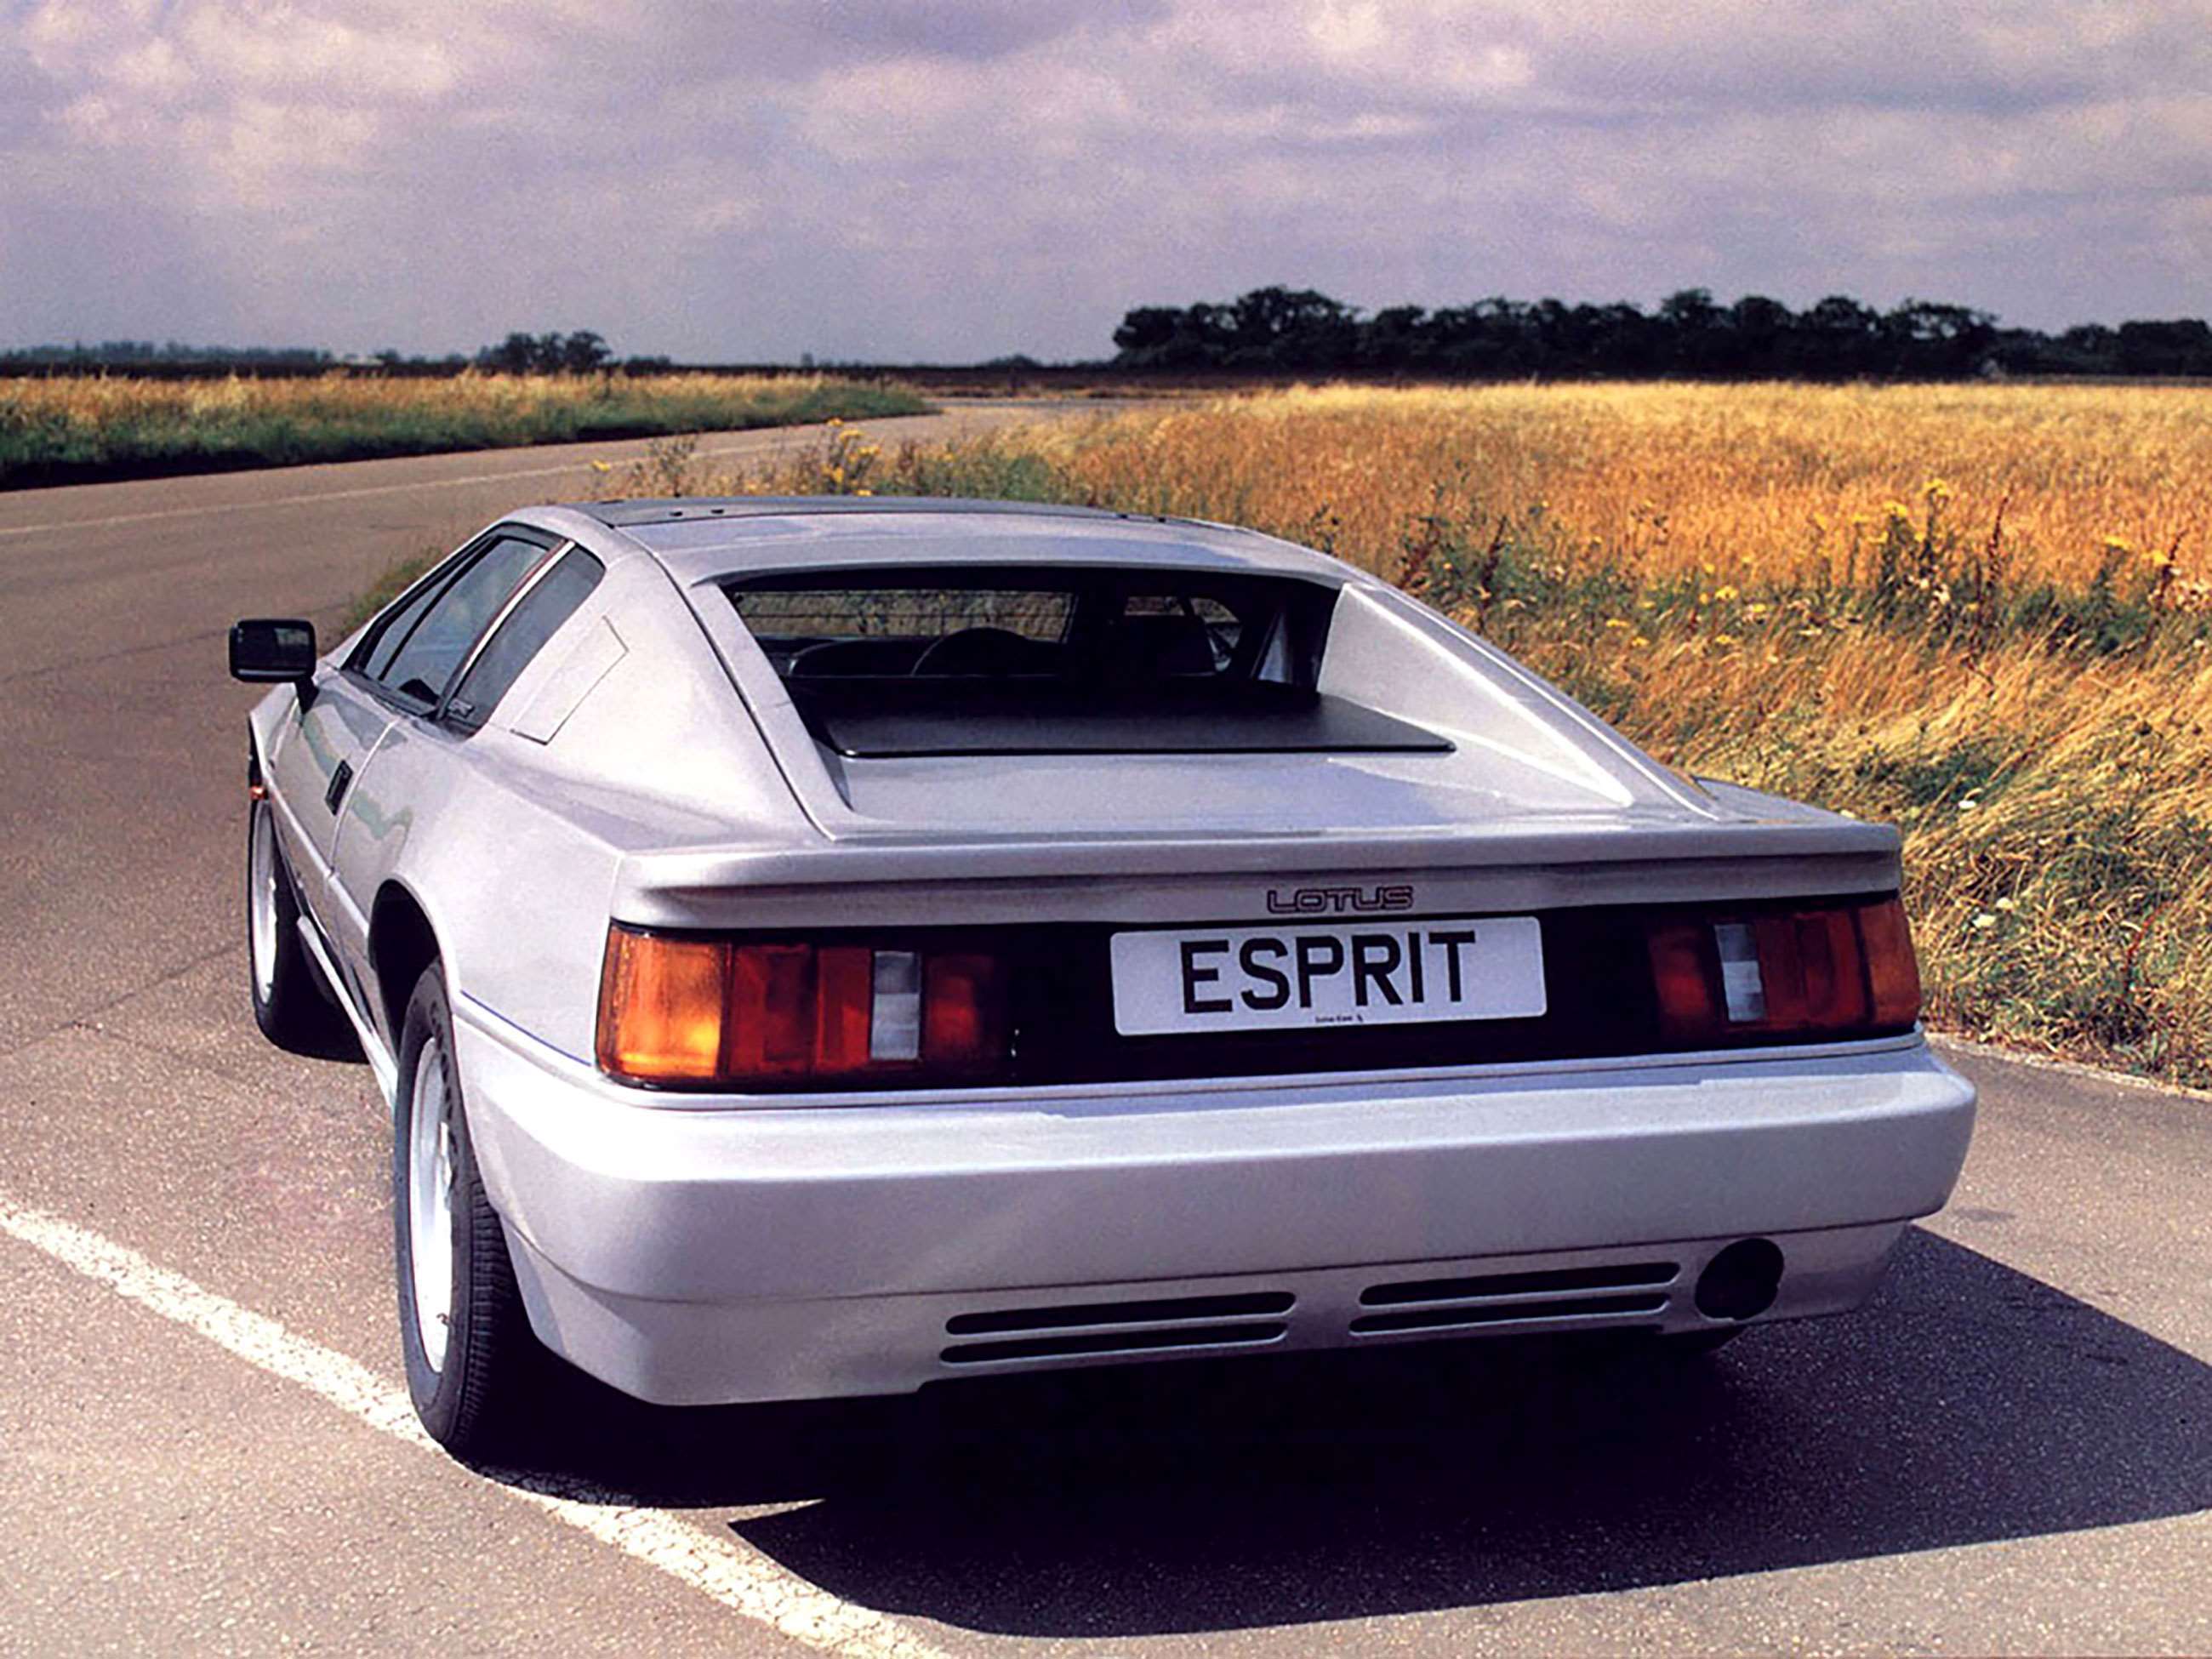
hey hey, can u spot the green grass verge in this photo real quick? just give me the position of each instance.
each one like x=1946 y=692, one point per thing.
x=89 y=430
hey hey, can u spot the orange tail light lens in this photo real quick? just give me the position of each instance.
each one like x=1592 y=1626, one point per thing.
x=676 y=1010
x=661 y=1007
x=1819 y=970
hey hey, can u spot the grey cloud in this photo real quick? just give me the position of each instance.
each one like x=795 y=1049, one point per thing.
x=973 y=30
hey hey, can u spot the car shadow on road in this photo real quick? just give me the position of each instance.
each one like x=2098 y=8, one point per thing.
x=1971 y=1403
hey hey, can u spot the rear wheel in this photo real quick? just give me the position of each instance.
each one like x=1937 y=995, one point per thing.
x=473 y=1364
x=289 y=1002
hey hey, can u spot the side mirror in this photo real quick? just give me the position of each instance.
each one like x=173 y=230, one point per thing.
x=266 y=650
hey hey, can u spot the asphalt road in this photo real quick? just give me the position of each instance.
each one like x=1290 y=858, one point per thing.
x=200 y=1448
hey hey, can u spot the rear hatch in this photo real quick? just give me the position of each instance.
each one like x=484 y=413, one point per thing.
x=1055 y=702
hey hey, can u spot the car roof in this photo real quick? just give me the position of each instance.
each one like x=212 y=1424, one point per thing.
x=634 y=513
x=700 y=537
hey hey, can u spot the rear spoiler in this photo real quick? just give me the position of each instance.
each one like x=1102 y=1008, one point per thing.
x=682 y=886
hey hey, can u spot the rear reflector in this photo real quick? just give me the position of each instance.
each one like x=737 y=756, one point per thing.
x=1818 y=970
x=689 y=1010
x=895 y=1006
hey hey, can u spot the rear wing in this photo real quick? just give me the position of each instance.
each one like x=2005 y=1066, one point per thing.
x=1178 y=877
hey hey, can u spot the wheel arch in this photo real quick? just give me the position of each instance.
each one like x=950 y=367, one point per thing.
x=402 y=942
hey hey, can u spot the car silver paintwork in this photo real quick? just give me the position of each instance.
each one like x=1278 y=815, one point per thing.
x=648 y=766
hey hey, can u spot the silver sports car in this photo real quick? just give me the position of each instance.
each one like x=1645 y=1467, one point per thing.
x=821 y=947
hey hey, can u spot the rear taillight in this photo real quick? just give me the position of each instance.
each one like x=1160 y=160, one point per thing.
x=1811 y=971
x=675 y=1010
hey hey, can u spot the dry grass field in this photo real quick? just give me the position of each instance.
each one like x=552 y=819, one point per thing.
x=82 y=428
x=1979 y=612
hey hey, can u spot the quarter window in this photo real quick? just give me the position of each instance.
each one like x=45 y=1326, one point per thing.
x=536 y=618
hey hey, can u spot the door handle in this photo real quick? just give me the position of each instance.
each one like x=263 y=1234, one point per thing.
x=339 y=780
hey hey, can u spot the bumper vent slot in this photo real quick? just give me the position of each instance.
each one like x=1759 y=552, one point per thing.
x=1551 y=1281
x=1122 y=1341
x=1501 y=1313
x=1252 y=1304
x=1075 y=1329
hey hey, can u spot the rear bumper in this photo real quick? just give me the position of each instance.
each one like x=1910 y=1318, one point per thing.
x=690 y=1254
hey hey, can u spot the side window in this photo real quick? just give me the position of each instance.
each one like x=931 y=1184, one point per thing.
x=376 y=653
x=424 y=657
x=534 y=620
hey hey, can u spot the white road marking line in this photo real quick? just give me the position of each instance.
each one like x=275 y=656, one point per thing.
x=758 y=439
x=738 y=1577
x=308 y=497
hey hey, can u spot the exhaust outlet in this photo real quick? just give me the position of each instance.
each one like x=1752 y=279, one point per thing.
x=1741 y=1281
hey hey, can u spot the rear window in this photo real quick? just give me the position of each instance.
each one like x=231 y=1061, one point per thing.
x=994 y=661
x=816 y=632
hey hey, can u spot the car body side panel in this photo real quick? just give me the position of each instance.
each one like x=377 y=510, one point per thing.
x=272 y=724
x=515 y=896
x=335 y=725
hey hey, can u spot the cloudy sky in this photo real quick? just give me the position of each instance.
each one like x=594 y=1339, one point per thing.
x=946 y=179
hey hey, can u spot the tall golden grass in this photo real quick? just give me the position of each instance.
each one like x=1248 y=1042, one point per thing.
x=1980 y=613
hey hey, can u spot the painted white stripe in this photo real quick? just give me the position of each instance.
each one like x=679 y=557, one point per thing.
x=763 y=438
x=753 y=441
x=734 y=1574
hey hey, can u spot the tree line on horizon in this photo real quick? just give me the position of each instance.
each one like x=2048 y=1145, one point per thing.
x=579 y=352
x=1300 y=331
x=1278 y=330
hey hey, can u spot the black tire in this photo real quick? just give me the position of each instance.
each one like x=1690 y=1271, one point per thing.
x=474 y=1398
x=291 y=1004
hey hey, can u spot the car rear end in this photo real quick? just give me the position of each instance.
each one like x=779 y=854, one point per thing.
x=1038 y=1054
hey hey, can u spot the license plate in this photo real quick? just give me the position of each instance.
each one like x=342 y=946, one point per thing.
x=1258 y=979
